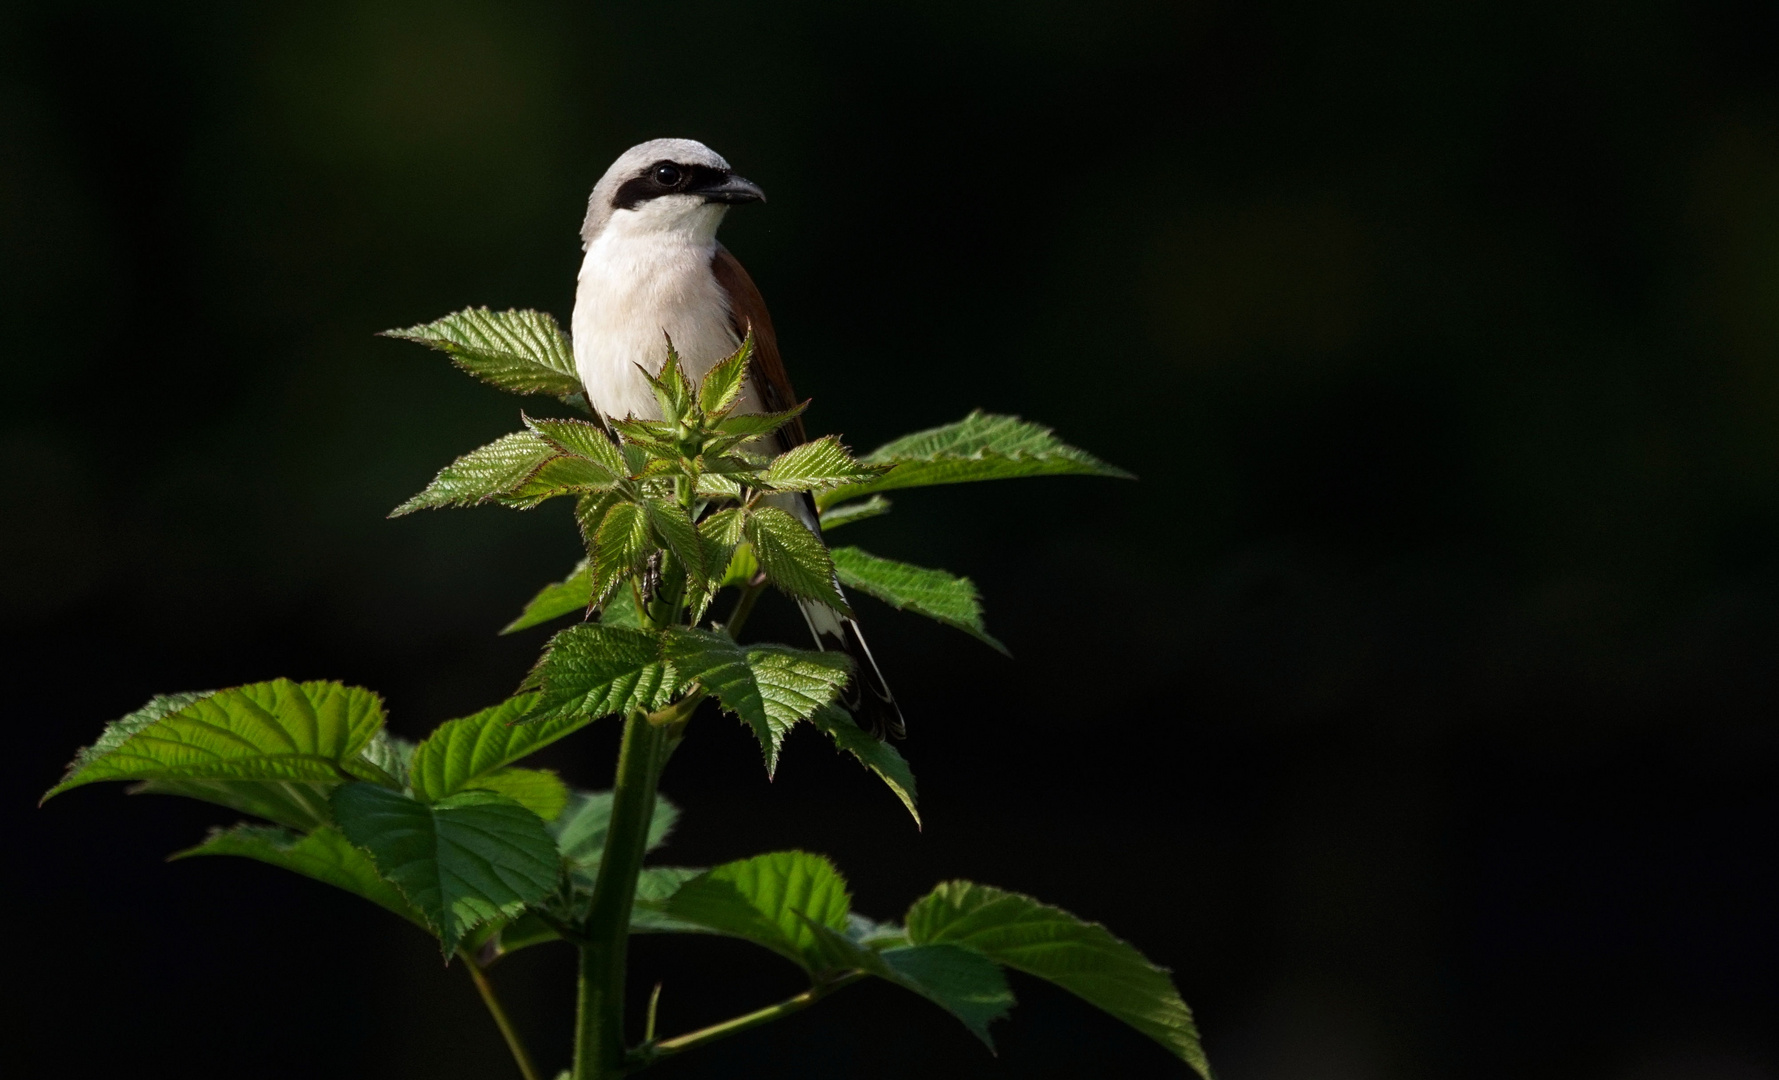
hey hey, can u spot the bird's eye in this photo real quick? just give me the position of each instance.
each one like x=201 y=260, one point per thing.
x=666 y=175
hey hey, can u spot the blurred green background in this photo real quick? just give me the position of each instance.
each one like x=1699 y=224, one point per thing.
x=1415 y=707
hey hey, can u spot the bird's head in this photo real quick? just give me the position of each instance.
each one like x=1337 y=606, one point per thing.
x=667 y=186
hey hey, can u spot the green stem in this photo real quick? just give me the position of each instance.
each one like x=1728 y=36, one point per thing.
x=744 y=606
x=599 y=1028
x=521 y=1057
x=679 y=1044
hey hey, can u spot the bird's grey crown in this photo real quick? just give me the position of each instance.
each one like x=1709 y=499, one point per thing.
x=633 y=161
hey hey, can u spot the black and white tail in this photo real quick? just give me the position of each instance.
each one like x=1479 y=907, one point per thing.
x=868 y=696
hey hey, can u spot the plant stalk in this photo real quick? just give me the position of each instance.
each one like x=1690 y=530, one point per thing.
x=679 y=1044
x=521 y=1056
x=599 y=1027
x=744 y=606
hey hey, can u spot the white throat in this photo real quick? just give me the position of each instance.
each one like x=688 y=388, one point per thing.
x=647 y=277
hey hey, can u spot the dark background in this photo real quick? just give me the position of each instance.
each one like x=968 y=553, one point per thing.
x=1416 y=707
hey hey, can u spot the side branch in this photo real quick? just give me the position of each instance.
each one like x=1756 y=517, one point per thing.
x=521 y=1056
x=679 y=1044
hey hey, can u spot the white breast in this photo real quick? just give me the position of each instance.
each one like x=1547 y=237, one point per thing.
x=646 y=277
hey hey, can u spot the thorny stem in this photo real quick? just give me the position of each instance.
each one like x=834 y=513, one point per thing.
x=679 y=1044
x=521 y=1056
x=744 y=606
x=599 y=1027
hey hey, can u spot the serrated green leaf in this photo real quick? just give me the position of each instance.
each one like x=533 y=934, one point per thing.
x=746 y=426
x=966 y=984
x=963 y=983
x=583 y=440
x=581 y=829
x=580 y=833
x=873 y=753
x=521 y=351
x=462 y=861
x=278 y=730
x=770 y=900
x=675 y=532
x=794 y=558
x=301 y=804
x=595 y=670
x=770 y=687
x=673 y=391
x=847 y=513
x=653 y=886
x=589 y=512
x=936 y=594
x=817 y=465
x=459 y=753
x=653 y=434
x=384 y=760
x=621 y=610
x=742 y=567
x=538 y=790
x=566 y=597
x=324 y=854
x=623 y=543
x=1081 y=957
x=484 y=474
x=563 y=475
x=981 y=446
x=120 y=730
x=716 y=486
x=721 y=386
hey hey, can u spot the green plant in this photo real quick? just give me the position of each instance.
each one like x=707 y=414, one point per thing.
x=456 y=837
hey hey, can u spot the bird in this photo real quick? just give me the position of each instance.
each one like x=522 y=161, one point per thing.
x=654 y=272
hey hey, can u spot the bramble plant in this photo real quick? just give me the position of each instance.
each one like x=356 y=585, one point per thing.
x=489 y=857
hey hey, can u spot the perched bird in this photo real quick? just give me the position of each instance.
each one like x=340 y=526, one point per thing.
x=653 y=267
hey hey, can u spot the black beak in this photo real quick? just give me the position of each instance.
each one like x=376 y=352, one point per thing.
x=733 y=189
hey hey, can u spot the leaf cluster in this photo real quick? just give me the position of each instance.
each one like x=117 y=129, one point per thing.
x=490 y=857
x=454 y=835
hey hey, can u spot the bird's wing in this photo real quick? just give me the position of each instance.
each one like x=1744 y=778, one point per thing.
x=868 y=696
x=747 y=310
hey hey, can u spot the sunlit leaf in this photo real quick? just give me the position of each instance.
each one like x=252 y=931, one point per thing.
x=594 y=670
x=383 y=760
x=278 y=730
x=1081 y=957
x=465 y=860
x=563 y=475
x=521 y=351
x=847 y=513
x=794 y=558
x=769 y=900
x=538 y=790
x=873 y=753
x=484 y=474
x=966 y=984
x=581 y=829
x=936 y=594
x=721 y=386
x=620 y=547
x=460 y=752
x=301 y=804
x=583 y=440
x=673 y=391
x=324 y=854
x=981 y=446
x=770 y=687
x=815 y=465
x=675 y=532
x=755 y=425
x=569 y=596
